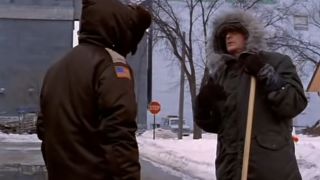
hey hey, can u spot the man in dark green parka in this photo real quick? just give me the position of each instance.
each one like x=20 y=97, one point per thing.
x=236 y=54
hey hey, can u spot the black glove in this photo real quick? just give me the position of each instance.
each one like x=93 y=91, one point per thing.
x=210 y=93
x=255 y=66
x=252 y=63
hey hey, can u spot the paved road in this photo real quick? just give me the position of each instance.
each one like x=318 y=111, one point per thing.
x=150 y=172
x=23 y=161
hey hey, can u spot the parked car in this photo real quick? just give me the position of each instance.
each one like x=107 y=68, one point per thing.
x=172 y=122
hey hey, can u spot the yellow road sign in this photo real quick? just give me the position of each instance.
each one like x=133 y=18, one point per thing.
x=314 y=85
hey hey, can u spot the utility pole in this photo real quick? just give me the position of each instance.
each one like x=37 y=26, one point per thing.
x=181 y=98
x=149 y=70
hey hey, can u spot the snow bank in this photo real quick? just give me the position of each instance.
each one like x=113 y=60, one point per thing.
x=195 y=158
x=18 y=138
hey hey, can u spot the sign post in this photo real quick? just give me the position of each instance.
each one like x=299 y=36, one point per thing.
x=154 y=108
x=314 y=85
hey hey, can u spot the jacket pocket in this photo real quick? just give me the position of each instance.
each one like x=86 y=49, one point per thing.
x=272 y=142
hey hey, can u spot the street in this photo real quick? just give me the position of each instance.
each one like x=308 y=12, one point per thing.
x=23 y=161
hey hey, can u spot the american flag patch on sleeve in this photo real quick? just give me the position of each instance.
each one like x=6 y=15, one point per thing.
x=122 y=72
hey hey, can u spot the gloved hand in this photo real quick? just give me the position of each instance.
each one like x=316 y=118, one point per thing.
x=210 y=93
x=252 y=63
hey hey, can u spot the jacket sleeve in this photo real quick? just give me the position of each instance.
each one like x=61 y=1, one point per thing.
x=117 y=110
x=40 y=126
x=288 y=100
x=40 y=129
x=206 y=114
x=207 y=118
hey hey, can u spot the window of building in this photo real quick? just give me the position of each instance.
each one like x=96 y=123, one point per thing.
x=300 y=22
x=261 y=1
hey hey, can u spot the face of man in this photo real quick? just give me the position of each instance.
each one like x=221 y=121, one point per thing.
x=235 y=42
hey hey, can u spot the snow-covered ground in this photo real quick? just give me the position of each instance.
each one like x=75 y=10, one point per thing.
x=194 y=159
x=18 y=138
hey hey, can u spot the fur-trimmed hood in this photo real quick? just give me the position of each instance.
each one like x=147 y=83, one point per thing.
x=217 y=54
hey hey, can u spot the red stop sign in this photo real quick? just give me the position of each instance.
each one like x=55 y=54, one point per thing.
x=154 y=107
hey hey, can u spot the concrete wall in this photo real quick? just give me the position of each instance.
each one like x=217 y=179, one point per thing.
x=27 y=48
x=33 y=34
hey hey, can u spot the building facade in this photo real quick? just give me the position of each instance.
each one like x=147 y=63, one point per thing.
x=33 y=35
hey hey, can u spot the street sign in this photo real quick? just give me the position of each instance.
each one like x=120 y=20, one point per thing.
x=314 y=85
x=154 y=107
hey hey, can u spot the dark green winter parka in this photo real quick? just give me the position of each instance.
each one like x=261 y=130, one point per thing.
x=272 y=153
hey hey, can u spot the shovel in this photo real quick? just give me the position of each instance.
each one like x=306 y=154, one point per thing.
x=247 y=143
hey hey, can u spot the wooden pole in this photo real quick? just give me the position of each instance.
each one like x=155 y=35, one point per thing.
x=247 y=143
x=154 y=126
x=314 y=85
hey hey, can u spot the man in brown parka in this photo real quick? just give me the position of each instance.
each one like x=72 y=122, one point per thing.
x=237 y=52
x=88 y=107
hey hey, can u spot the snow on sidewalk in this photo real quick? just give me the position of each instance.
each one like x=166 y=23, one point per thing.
x=196 y=157
x=308 y=156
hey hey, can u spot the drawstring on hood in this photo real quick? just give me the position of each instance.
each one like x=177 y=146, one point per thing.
x=113 y=25
x=237 y=20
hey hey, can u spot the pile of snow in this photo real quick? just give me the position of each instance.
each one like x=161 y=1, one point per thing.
x=194 y=159
x=18 y=138
x=160 y=134
x=308 y=155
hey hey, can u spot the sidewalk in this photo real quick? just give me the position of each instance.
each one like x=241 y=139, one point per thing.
x=21 y=161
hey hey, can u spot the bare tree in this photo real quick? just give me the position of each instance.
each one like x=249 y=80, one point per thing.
x=172 y=27
x=285 y=39
x=245 y=4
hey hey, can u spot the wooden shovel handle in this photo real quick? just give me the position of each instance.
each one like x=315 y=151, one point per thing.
x=247 y=143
